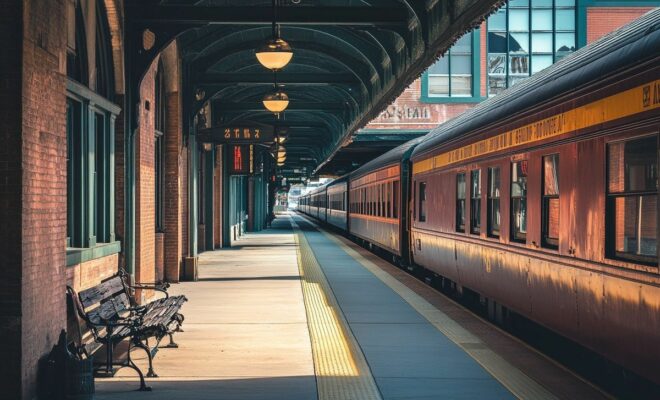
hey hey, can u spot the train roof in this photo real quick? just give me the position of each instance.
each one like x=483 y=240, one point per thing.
x=393 y=156
x=337 y=181
x=627 y=46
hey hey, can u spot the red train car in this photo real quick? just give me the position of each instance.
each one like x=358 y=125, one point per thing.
x=378 y=201
x=544 y=199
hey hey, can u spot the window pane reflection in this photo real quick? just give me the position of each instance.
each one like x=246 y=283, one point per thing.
x=565 y=20
x=518 y=20
x=542 y=20
x=540 y=62
x=542 y=42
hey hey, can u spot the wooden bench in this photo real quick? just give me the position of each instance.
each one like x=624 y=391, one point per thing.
x=107 y=316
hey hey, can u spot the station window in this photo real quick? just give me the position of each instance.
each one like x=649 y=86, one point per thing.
x=451 y=75
x=475 y=201
x=550 y=210
x=525 y=38
x=460 y=202
x=519 y=201
x=494 y=217
x=422 y=201
x=632 y=197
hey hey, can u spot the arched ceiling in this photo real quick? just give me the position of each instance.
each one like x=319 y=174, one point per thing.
x=351 y=58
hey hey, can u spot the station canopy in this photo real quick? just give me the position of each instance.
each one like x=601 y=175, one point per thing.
x=350 y=59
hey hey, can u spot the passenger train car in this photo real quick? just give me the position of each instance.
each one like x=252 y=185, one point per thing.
x=543 y=199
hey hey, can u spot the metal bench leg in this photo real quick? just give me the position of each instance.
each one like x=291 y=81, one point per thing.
x=131 y=364
x=150 y=373
x=171 y=344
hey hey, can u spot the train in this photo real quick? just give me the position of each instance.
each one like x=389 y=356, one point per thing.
x=542 y=200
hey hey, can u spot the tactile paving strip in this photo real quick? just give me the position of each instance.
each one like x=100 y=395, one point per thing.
x=342 y=372
x=517 y=382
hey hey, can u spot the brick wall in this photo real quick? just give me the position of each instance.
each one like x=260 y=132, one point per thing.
x=409 y=113
x=90 y=273
x=44 y=184
x=145 y=181
x=603 y=20
x=11 y=29
x=183 y=173
x=174 y=193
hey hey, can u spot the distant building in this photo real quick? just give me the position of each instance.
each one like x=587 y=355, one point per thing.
x=517 y=41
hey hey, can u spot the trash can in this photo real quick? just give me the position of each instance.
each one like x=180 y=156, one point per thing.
x=79 y=378
x=68 y=376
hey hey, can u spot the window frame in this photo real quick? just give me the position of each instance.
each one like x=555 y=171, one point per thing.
x=91 y=190
x=475 y=230
x=421 y=196
x=512 y=231
x=546 y=241
x=610 y=208
x=475 y=96
x=490 y=232
x=458 y=227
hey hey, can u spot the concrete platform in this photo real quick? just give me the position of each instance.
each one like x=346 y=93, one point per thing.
x=250 y=333
x=245 y=333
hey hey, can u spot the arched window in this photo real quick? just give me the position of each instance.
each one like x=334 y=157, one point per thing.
x=76 y=55
x=91 y=117
x=105 y=80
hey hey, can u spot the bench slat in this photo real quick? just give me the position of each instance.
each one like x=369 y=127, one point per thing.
x=101 y=292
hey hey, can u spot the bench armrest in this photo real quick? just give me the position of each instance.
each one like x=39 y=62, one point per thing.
x=159 y=287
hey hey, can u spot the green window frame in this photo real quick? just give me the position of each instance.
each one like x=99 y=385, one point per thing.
x=475 y=96
x=90 y=174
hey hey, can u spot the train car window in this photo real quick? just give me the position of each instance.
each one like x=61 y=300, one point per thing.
x=381 y=211
x=494 y=217
x=395 y=199
x=422 y=201
x=550 y=206
x=383 y=198
x=372 y=204
x=519 y=201
x=460 y=202
x=632 y=198
x=388 y=207
x=475 y=201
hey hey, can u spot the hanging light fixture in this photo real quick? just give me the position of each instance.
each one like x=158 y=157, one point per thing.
x=282 y=135
x=275 y=53
x=276 y=101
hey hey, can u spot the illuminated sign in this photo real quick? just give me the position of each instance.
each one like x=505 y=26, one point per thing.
x=239 y=160
x=238 y=133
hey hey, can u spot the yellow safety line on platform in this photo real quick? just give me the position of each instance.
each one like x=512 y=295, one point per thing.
x=517 y=382
x=342 y=372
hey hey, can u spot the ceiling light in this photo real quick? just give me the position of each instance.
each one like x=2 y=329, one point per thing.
x=276 y=53
x=276 y=102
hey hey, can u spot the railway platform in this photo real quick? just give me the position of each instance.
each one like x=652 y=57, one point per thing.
x=298 y=312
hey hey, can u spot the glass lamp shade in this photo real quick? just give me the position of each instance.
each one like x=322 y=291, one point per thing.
x=276 y=102
x=274 y=54
x=280 y=164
